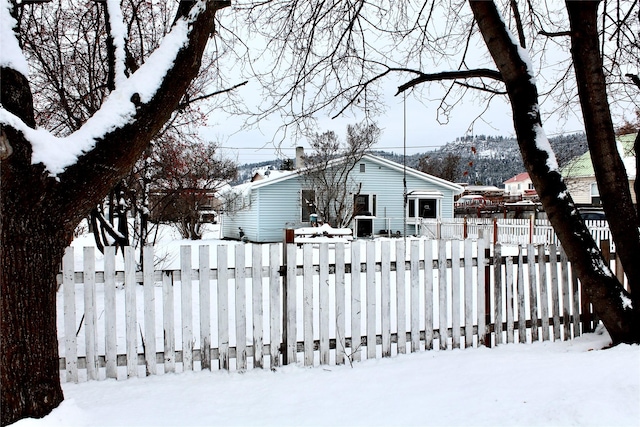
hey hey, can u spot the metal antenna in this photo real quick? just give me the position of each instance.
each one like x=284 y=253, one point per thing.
x=404 y=163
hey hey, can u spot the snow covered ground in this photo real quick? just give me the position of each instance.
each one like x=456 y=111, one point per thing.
x=540 y=384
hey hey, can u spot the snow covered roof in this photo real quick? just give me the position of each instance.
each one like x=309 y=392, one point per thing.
x=285 y=175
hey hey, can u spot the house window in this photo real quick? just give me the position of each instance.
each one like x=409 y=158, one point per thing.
x=364 y=204
x=423 y=208
x=423 y=204
x=595 y=195
x=307 y=204
x=362 y=167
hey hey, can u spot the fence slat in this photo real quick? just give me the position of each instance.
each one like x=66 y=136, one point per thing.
x=324 y=307
x=533 y=291
x=149 y=295
x=544 y=297
x=468 y=293
x=401 y=300
x=566 y=302
x=428 y=294
x=290 y=313
x=340 y=303
x=356 y=304
x=455 y=294
x=110 y=332
x=131 y=325
x=90 y=315
x=275 y=310
x=204 y=293
x=481 y=291
x=442 y=294
x=522 y=313
x=576 y=303
x=509 y=299
x=186 y=304
x=256 y=305
x=385 y=296
x=497 y=292
x=307 y=302
x=555 y=290
x=241 y=310
x=70 y=341
x=223 y=308
x=371 y=299
x=415 y=295
x=168 y=322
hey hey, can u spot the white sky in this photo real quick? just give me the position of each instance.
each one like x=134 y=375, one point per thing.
x=423 y=132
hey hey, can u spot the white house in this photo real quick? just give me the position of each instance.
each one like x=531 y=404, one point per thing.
x=519 y=185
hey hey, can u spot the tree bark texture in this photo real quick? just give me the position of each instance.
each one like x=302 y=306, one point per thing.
x=603 y=288
x=38 y=214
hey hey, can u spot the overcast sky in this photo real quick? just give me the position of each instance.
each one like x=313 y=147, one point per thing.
x=423 y=132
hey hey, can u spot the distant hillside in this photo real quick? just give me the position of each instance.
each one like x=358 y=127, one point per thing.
x=486 y=160
x=491 y=160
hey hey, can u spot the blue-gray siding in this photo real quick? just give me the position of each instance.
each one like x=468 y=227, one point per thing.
x=276 y=206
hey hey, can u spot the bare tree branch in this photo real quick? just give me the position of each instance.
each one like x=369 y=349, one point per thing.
x=451 y=75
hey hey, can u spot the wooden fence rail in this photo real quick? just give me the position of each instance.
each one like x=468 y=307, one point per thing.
x=240 y=307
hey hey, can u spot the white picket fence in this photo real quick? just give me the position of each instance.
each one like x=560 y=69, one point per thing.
x=503 y=230
x=242 y=307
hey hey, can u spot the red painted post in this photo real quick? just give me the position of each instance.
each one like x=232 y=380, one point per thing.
x=464 y=228
x=495 y=230
x=531 y=225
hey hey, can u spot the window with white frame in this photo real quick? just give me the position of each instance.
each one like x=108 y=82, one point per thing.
x=424 y=205
x=364 y=204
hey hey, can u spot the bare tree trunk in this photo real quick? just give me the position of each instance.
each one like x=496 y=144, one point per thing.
x=613 y=183
x=39 y=213
x=32 y=246
x=606 y=293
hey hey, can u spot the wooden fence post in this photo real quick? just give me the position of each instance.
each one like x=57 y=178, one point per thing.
x=532 y=223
